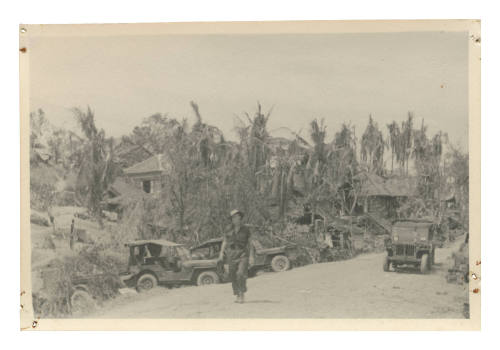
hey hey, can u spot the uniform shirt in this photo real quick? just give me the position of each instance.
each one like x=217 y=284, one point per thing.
x=237 y=243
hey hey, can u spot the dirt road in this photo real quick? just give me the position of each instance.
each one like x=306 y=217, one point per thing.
x=356 y=288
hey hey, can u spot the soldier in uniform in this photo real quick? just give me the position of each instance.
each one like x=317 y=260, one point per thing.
x=237 y=247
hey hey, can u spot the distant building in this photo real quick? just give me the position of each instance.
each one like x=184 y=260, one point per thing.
x=384 y=196
x=147 y=174
x=120 y=194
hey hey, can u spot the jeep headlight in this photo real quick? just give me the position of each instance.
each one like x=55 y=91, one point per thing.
x=396 y=238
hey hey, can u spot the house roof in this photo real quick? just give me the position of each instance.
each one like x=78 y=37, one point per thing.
x=156 y=163
x=401 y=186
x=121 y=187
x=123 y=192
x=374 y=185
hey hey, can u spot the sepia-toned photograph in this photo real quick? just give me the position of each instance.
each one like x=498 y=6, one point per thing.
x=251 y=175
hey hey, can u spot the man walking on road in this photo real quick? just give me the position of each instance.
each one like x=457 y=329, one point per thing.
x=237 y=246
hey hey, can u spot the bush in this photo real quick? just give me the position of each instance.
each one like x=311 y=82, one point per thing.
x=42 y=186
x=372 y=243
x=38 y=220
x=41 y=196
x=65 y=198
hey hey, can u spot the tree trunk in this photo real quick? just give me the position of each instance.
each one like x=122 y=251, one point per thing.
x=282 y=195
x=355 y=200
x=275 y=184
x=289 y=180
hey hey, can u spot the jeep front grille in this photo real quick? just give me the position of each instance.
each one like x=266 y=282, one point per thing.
x=405 y=249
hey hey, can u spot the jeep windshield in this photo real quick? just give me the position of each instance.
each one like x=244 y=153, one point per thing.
x=148 y=251
x=408 y=232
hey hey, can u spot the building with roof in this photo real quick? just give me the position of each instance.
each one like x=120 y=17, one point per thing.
x=147 y=174
x=383 y=196
x=120 y=194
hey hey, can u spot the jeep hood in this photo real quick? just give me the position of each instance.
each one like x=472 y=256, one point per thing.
x=200 y=263
x=410 y=233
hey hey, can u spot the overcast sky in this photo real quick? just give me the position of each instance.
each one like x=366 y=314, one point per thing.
x=338 y=77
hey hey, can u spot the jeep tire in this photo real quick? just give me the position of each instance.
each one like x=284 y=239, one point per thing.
x=146 y=282
x=81 y=301
x=424 y=263
x=207 y=277
x=280 y=263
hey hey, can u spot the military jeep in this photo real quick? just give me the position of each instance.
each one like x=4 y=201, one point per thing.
x=275 y=259
x=412 y=243
x=153 y=262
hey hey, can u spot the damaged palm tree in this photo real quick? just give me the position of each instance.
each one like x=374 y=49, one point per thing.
x=394 y=135
x=208 y=140
x=372 y=148
x=97 y=169
x=254 y=140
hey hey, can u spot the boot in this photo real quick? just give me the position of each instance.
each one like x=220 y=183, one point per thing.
x=239 y=298
x=242 y=298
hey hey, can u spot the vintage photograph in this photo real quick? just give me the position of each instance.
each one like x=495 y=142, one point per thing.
x=250 y=171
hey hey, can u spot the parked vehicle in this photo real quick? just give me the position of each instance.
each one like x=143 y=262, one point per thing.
x=83 y=296
x=153 y=262
x=275 y=259
x=81 y=293
x=412 y=243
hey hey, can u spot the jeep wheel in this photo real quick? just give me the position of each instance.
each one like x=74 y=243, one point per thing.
x=424 y=263
x=280 y=263
x=81 y=301
x=207 y=277
x=387 y=264
x=146 y=282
